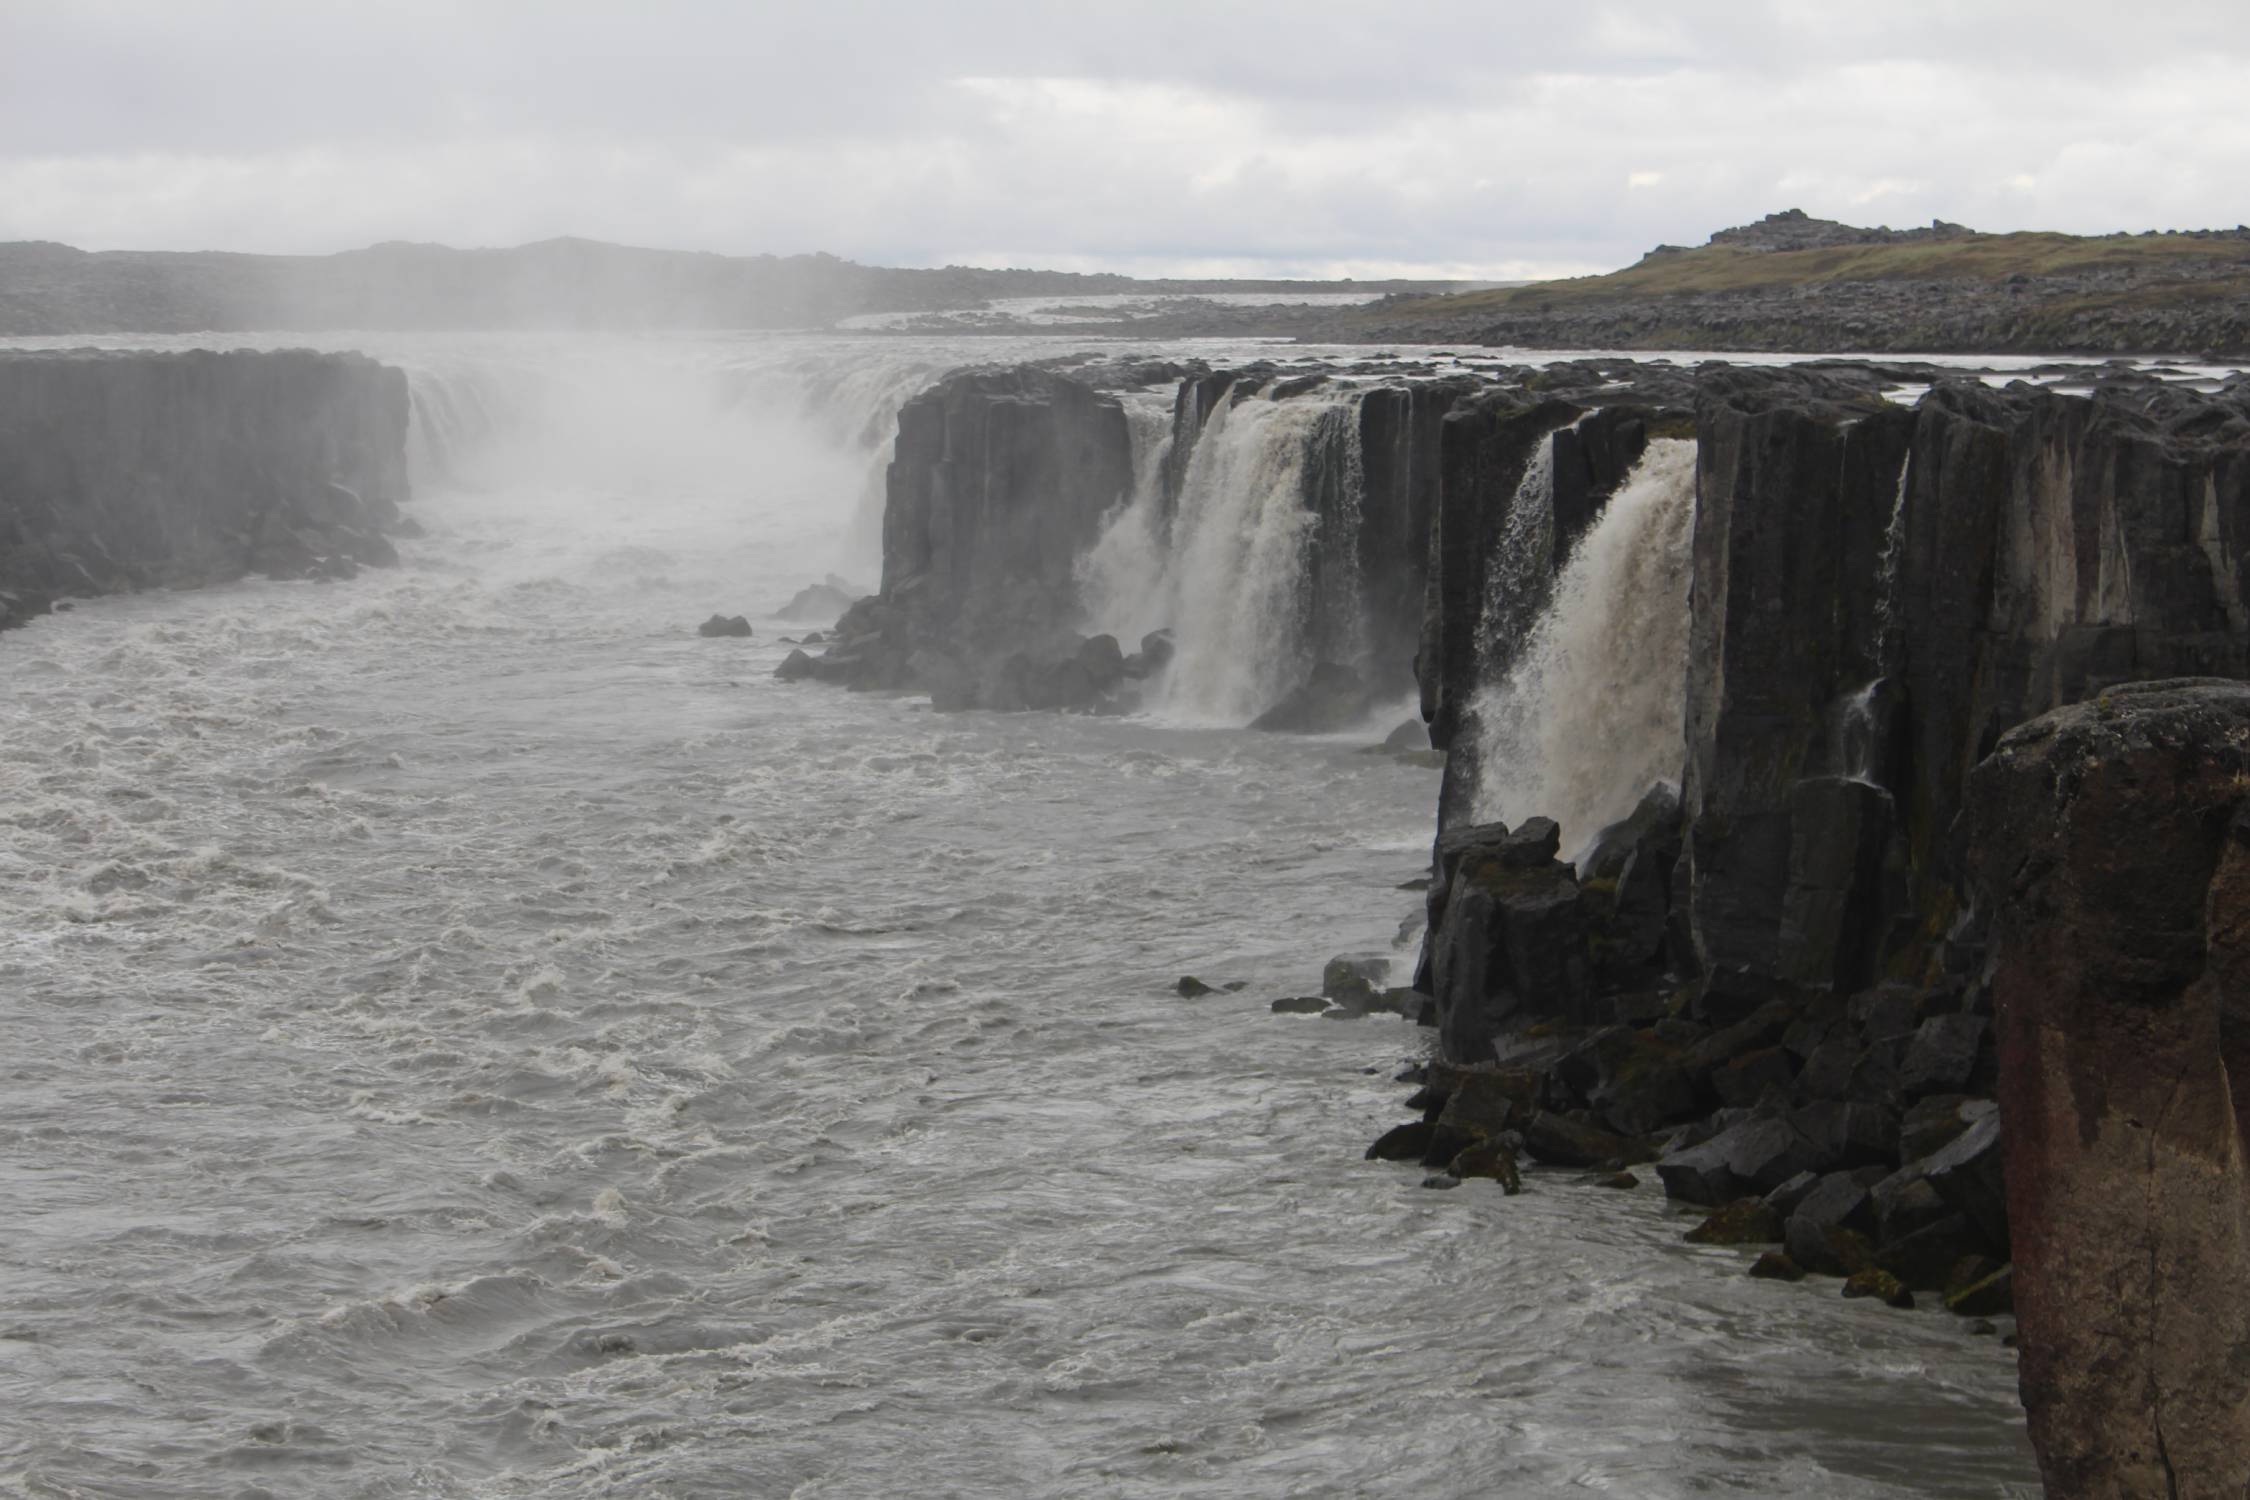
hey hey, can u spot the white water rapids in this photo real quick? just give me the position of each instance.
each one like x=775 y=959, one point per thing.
x=465 y=1035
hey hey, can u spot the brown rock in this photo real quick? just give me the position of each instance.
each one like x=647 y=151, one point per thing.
x=1490 y=1159
x=1877 y=1283
x=1775 y=1266
x=2110 y=845
x=1746 y=1221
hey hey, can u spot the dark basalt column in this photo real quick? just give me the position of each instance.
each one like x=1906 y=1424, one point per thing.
x=132 y=469
x=2112 y=843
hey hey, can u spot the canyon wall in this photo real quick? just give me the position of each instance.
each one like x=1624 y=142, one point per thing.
x=1745 y=634
x=133 y=470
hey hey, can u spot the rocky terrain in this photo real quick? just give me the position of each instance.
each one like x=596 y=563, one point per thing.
x=123 y=471
x=573 y=284
x=1870 y=1029
x=1800 y=284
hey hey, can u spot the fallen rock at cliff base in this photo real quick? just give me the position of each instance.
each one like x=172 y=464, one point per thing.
x=1754 y=1156
x=1746 y=1221
x=1830 y=1232
x=1774 y=1265
x=1881 y=1285
x=1969 y=1173
x=1989 y=1298
x=820 y=601
x=1408 y=1142
x=724 y=626
x=1558 y=1141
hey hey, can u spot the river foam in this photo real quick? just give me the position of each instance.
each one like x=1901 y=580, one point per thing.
x=468 y=1035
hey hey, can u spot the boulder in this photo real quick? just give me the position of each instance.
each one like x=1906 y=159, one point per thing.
x=1930 y=1123
x=1409 y=736
x=820 y=601
x=1775 y=1265
x=1784 y=1199
x=1942 y=1058
x=1879 y=1284
x=1989 y=1297
x=725 y=625
x=1754 y=1156
x=1751 y=1077
x=796 y=666
x=1530 y=846
x=1355 y=979
x=1904 y=1203
x=1846 y=1134
x=1492 y=1159
x=1746 y=1221
x=1408 y=1142
x=1969 y=1173
x=1510 y=949
x=1560 y=1141
x=1924 y=1259
x=1831 y=1230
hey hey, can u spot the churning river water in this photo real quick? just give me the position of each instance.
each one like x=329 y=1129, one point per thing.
x=462 y=1034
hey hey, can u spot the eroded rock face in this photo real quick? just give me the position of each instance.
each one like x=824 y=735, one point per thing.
x=2112 y=842
x=123 y=470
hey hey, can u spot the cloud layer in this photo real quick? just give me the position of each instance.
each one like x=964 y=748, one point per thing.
x=1468 y=139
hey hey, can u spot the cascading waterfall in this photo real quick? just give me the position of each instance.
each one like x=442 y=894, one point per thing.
x=1517 y=574
x=1855 y=728
x=1229 y=575
x=1121 y=579
x=1894 y=547
x=1594 y=709
x=852 y=397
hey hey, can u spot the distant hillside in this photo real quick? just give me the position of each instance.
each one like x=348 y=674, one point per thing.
x=1795 y=283
x=48 y=288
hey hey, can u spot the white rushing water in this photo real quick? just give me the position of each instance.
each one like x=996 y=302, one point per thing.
x=465 y=1035
x=1593 y=711
x=1225 y=566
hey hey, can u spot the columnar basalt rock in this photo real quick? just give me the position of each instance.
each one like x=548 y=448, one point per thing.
x=124 y=470
x=2112 y=843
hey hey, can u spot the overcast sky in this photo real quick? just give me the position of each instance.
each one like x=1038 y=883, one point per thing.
x=1374 y=137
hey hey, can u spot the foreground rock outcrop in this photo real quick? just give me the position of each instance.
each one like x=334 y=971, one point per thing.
x=124 y=470
x=2113 y=845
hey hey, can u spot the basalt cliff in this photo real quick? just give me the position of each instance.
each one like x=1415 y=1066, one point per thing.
x=1713 y=658
x=133 y=470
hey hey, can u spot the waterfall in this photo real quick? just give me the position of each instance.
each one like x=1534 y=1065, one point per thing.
x=851 y=396
x=1594 y=708
x=1886 y=578
x=1230 y=569
x=1519 y=571
x=1122 y=576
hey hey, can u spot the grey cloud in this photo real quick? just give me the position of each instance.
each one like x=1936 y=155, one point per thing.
x=1256 y=135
